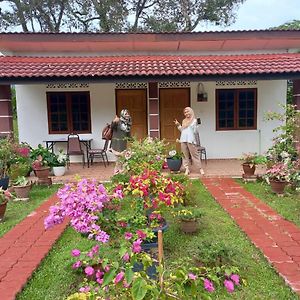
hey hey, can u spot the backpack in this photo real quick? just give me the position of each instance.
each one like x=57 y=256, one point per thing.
x=107 y=132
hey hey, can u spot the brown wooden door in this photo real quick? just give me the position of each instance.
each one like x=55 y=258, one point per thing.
x=171 y=105
x=136 y=102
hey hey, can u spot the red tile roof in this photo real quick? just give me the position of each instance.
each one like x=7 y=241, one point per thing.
x=127 y=66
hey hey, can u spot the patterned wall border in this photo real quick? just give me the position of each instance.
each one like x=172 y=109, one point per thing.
x=174 y=84
x=236 y=82
x=131 y=85
x=71 y=85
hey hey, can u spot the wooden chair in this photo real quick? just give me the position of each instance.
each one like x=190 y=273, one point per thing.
x=101 y=153
x=74 y=148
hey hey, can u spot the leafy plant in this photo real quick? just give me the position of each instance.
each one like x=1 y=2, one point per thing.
x=253 y=158
x=141 y=155
x=6 y=155
x=21 y=181
x=173 y=154
x=188 y=214
x=60 y=159
x=279 y=171
x=42 y=156
x=5 y=195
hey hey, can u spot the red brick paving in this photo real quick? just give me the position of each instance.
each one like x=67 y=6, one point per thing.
x=278 y=239
x=23 y=248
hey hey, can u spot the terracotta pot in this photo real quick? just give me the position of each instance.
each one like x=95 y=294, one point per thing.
x=189 y=226
x=43 y=172
x=22 y=192
x=248 y=169
x=174 y=164
x=278 y=186
x=2 y=210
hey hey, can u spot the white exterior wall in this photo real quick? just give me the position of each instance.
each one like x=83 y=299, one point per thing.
x=232 y=143
x=33 y=119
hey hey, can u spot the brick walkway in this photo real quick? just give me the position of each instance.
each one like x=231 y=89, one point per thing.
x=23 y=248
x=278 y=239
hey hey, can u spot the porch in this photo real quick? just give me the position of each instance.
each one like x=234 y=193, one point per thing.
x=213 y=168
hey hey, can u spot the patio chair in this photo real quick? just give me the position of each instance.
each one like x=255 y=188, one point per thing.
x=100 y=153
x=74 y=148
x=202 y=152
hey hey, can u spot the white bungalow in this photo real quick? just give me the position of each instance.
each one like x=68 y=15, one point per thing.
x=77 y=82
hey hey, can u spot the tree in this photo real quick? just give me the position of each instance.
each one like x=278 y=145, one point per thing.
x=295 y=24
x=115 y=15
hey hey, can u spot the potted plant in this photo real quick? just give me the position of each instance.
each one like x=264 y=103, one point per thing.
x=174 y=160
x=5 y=196
x=22 y=187
x=250 y=160
x=189 y=219
x=278 y=176
x=6 y=152
x=59 y=164
x=41 y=170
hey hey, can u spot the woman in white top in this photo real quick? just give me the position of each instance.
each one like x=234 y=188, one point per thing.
x=188 y=141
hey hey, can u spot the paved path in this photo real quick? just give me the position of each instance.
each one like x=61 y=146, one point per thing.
x=23 y=248
x=278 y=239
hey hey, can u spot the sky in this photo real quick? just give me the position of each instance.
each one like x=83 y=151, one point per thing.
x=262 y=14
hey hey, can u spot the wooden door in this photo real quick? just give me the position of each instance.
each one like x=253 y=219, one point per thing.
x=136 y=103
x=171 y=105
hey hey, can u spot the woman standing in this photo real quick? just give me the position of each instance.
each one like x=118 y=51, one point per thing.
x=188 y=140
x=121 y=133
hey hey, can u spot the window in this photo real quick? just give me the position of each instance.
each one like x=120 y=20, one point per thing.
x=236 y=109
x=69 y=112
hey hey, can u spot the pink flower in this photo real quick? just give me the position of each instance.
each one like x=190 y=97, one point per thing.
x=136 y=247
x=75 y=252
x=76 y=265
x=235 y=278
x=89 y=271
x=119 y=277
x=126 y=257
x=99 y=280
x=106 y=268
x=141 y=234
x=128 y=235
x=192 y=276
x=229 y=285
x=208 y=285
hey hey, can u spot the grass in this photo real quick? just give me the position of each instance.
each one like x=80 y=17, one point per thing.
x=55 y=280
x=17 y=211
x=287 y=205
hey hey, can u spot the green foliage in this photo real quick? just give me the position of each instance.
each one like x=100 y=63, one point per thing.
x=141 y=155
x=253 y=158
x=295 y=24
x=48 y=158
x=188 y=214
x=121 y=178
x=116 y=16
x=6 y=155
x=21 y=181
x=214 y=253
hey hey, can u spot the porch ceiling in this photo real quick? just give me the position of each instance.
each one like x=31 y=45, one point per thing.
x=14 y=67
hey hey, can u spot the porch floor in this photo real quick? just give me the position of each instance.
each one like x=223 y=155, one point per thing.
x=213 y=168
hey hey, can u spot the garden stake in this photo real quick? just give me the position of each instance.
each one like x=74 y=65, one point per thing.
x=160 y=255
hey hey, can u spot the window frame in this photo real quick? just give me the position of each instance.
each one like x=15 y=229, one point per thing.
x=68 y=96
x=236 y=109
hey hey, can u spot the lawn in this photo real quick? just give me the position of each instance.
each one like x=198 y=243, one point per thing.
x=54 y=279
x=287 y=205
x=17 y=211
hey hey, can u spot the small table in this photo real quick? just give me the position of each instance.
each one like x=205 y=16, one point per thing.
x=52 y=141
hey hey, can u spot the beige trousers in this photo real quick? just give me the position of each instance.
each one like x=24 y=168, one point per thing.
x=191 y=151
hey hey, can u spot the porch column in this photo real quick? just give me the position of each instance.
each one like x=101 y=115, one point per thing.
x=153 y=110
x=296 y=101
x=296 y=93
x=6 y=117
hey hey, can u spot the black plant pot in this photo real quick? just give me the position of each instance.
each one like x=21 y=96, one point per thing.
x=151 y=270
x=174 y=164
x=4 y=181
